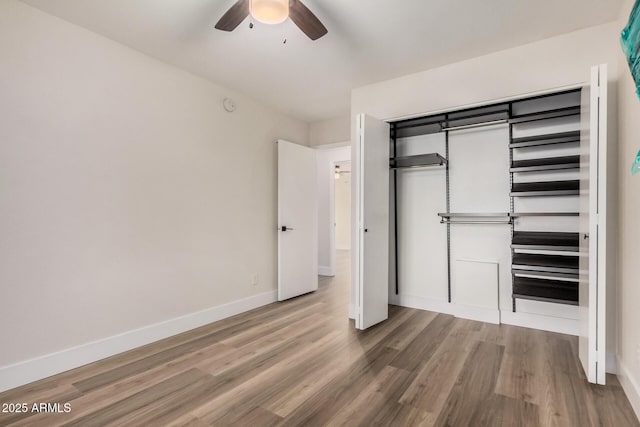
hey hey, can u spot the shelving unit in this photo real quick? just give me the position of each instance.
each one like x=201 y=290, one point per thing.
x=545 y=264
x=544 y=141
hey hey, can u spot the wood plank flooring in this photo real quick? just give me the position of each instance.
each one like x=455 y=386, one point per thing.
x=302 y=363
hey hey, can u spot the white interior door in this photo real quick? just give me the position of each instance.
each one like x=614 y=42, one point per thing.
x=297 y=221
x=372 y=210
x=593 y=221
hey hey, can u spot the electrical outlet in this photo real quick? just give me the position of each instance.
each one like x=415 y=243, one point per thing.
x=254 y=279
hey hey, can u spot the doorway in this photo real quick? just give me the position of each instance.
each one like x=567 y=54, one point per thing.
x=342 y=206
x=334 y=215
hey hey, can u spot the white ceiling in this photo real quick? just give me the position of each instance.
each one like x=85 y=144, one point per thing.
x=368 y=40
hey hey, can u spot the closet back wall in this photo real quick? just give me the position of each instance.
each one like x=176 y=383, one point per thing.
x=128 y=196
x=479 y=183
x=422 y=240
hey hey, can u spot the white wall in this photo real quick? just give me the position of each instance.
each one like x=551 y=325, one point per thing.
x=556 y=62
x=343 y=212
x=330 y=131
x=128 y=196
x=629 y=232
x=325 y=159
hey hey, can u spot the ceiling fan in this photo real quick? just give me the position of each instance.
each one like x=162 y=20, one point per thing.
x=273 y=12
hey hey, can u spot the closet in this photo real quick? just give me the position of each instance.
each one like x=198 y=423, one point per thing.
x=494 y=213
x=503 y=179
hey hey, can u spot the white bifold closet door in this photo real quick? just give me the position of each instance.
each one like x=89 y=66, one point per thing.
x=372 y=213
x=593 y=227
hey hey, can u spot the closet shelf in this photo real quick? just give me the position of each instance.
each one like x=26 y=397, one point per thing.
x=545 y=290
x=546 y=164
x=546 y=139
x=542 y=299
x=546 y=263
x=544 y=115
x=548 y=188
x=547 y=241
x=534 y=214
x=417 y=161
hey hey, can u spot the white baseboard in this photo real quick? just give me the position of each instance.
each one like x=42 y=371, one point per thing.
x=630 y=386
x=545 y=323
x=526 y=320
x=325 y=271
x=442 y=306
x=45 y=366
x=421 y=303
x=477 y=313
x=611 y=363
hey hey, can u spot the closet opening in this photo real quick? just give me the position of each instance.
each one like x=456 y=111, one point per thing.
x=484 y=209
x=496 y=213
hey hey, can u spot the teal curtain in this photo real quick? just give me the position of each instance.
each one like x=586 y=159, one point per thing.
x=631 y=43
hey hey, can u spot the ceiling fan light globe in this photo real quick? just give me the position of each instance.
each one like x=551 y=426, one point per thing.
x=270 y=11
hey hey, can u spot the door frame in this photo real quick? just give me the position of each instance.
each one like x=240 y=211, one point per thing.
x=331 y=268
x=334 y=246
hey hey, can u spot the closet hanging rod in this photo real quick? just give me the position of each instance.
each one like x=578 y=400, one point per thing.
x=477 y=125
x=444 y=221
x=473 y=214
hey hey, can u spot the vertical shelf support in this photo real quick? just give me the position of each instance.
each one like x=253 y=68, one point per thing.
x=511 y=202
x=395 y=210
x=446 y=142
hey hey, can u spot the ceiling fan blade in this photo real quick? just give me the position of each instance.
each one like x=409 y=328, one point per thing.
x=234 y=16
x=306 y=20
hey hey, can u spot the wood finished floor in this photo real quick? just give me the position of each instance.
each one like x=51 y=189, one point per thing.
x=301 y=363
